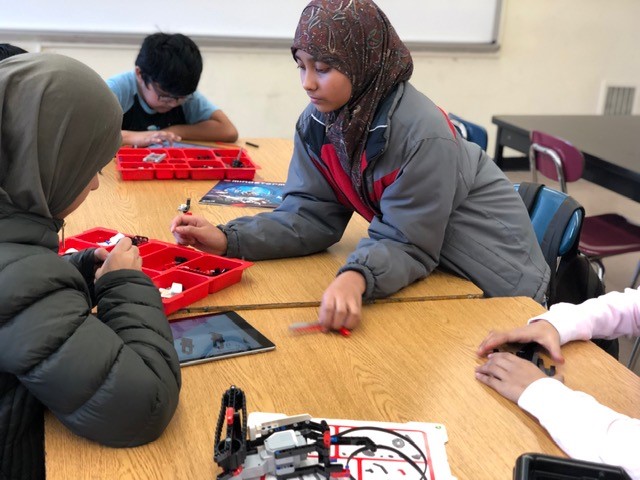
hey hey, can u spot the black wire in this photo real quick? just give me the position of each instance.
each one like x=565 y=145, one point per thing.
x=390 y=432
x=423 y=474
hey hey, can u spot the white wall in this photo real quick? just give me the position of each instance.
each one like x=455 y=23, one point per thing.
x=555 y=57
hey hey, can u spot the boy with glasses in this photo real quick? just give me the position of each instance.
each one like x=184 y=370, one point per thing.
x=159 y=96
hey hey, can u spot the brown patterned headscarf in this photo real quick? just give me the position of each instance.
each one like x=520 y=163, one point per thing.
x=356 y=38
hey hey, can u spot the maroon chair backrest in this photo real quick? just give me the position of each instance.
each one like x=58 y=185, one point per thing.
x=571 y=157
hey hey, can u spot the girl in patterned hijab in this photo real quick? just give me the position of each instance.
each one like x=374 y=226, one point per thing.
x=356 y=38
x=370 y=142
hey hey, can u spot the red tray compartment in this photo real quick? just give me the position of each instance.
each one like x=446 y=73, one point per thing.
x=137 y=170
x=200 y=153
x=159 y=263
x=150 y=247
x=134 y=151
x=232 y=274
x=229 y=156
x=166 y=259
x=194 y=287
x=165 y=171
x=74 y=243
x=206 y=169
x=185 y=163
x=172 y=153
x=131 y=157
x=96 y=236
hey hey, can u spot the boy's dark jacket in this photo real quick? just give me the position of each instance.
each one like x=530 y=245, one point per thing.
x=111 y=376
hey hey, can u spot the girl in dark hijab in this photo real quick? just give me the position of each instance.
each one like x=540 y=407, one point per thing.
x=370 y=143
x=112 y=376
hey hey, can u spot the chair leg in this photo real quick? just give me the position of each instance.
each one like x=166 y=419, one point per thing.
x=634 y=354
x=636 y=275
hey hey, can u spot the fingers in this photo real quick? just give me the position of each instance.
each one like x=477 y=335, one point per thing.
x=325 y=317
x=182 y=230
x=554 y=351
x=488 y=379
x=336 y=314
x=100 y=254
x=492 y=341
x=123 y=245
x=186 y=220
x=496 y=366
x=124 y=255
x=166 y=136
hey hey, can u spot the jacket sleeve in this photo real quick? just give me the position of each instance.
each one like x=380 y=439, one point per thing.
x=405 y=241
x=608 y=316
x=85 y=262
x=309 y=220
x=582 y=427
x=112 y=377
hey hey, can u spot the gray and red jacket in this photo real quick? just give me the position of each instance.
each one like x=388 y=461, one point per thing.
x=431 y=198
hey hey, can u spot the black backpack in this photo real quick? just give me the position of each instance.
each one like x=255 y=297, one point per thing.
x=573 y=279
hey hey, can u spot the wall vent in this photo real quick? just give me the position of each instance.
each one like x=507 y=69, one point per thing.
x=619 y=100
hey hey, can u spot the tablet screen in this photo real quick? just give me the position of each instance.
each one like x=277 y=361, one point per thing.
x=213 y=336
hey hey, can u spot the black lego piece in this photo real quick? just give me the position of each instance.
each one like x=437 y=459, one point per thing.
x=231 y=452
x=529 y=351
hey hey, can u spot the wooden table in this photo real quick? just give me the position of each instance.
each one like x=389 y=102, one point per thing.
x=410 y=361
x=147 y=208
x=609 y=144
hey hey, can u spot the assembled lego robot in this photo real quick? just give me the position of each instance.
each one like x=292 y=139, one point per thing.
x=281 y=447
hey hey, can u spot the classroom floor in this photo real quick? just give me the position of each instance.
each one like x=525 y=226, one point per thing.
x=619 y=270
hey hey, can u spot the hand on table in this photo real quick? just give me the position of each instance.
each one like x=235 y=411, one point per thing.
x=195 y=231
x=541 y=332
x=509 y=375
x=123 y=256
x=146 y=138
x=342 y=302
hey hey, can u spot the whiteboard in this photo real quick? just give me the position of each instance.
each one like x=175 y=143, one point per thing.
x=418 y=22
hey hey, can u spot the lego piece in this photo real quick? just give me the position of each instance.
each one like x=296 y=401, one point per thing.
x=113 y=240
x=312 y=327
x=175 y=289
x=528 y=351
x=185 y=207
x=155 y=157
x=281 y=447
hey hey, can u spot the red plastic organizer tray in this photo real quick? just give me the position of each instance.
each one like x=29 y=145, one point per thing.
x=185 y=163
x=167 y=263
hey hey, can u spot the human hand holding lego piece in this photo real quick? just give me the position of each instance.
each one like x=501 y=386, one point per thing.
x=123 y=256
x=541 y=332
x=197 y=232
x=341 y=305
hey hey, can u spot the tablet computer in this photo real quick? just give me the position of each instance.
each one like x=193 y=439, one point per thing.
x=538 y=466
x=214 y=336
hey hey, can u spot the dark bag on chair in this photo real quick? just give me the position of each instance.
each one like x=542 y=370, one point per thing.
x=573 y=279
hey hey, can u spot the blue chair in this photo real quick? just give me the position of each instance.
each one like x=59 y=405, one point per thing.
x=470 y=131
x=557 y=222
x=542 y=203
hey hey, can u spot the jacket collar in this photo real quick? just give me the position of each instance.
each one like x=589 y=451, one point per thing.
x=27 y=228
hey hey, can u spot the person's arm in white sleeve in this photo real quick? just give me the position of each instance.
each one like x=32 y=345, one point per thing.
x=582 y=427
x=608 y=316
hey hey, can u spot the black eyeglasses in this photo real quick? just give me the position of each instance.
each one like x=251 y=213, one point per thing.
x=166 y=98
